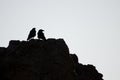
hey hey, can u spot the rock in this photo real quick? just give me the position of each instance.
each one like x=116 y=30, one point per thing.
x=38 y=60
x=41 y=60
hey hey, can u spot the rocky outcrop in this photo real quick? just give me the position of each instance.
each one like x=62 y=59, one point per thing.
x=42 y=60
x=85 y=72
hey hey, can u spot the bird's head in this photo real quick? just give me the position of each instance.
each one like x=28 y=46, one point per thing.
x=34 y=28
x=41 y=30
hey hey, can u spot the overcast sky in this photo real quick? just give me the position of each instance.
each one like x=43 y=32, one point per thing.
x=91 y=28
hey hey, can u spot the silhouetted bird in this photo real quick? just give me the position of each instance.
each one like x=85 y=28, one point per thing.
x=41 y=35
x=32 y=34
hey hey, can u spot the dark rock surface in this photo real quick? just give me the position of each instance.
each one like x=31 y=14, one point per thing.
x=43 y=60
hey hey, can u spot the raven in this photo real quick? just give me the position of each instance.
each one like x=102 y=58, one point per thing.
x=41 y=35
x=32 y=34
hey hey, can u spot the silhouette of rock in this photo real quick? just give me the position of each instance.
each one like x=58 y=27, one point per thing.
x=2 y=52
x=43 y=60
x=85 y=72
x=41 y=35
x=32 y=34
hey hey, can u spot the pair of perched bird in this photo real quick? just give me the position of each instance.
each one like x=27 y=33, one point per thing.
x=40 y=34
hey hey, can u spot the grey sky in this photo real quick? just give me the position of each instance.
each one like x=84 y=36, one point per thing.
x=91 y=28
